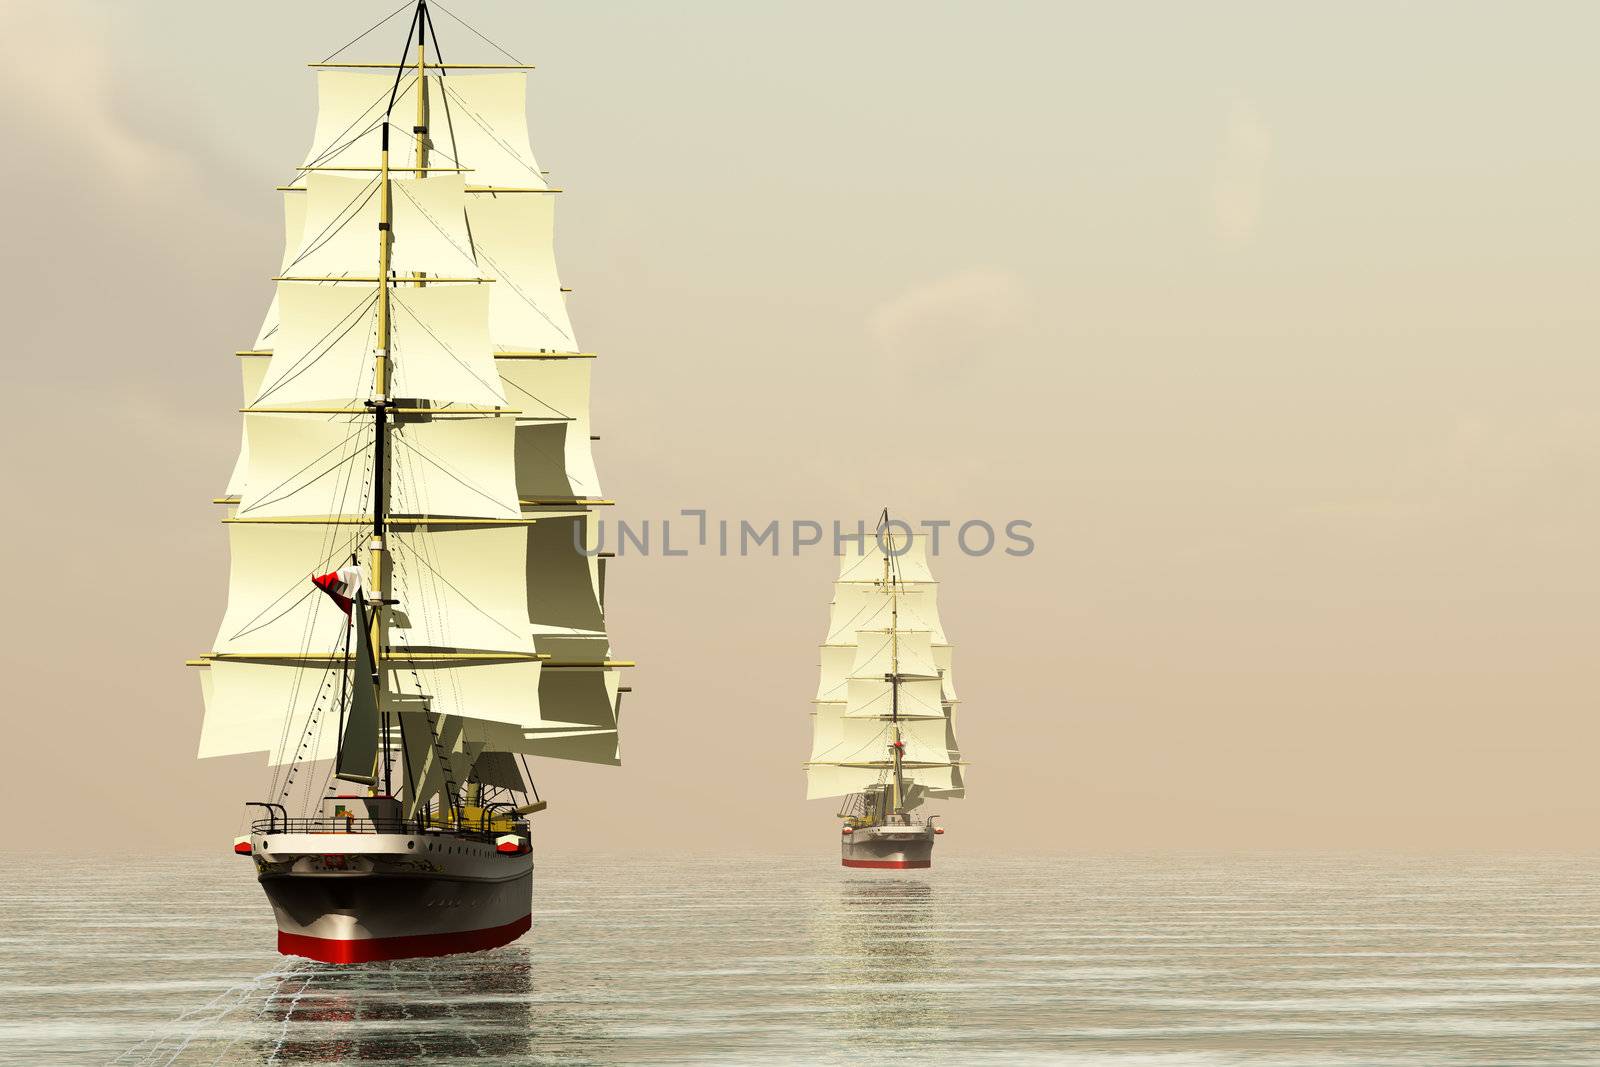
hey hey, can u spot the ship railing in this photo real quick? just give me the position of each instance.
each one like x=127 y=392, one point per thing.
x=331 y=824
x=861 y=820
x=274 y=812
x=493 y=819
x=501 y=814
x=906 y=818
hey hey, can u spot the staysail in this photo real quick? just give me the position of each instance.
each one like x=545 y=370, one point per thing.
x=885 y=673
x=494 y=640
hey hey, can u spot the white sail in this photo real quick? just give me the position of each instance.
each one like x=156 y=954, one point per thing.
x=487 y=513
x=324 y=353
x=476 y=121
x=252 y=369
x=863 y=559
x=441 y=346
x=457 y=591
x=515 y=235
x=281 y=638
x=322 y=346
x=294 y=218
x=563 y=586
x=874 y=698
x=836 y=663
x=554 y=461
x=339 y=231
x=885 y=672
x=908 y=653
x=306 y=465
x=273 y=609
x=481 y=121
x=350 y=113
x=859 y=606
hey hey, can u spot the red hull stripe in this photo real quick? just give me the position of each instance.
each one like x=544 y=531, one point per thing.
x=890 y=864
x=368 y=950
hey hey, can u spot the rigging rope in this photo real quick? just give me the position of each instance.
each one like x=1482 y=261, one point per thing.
x=368 y=30
x=330 y=538
x=449 y=123
x=481 y=37
x=446 y=765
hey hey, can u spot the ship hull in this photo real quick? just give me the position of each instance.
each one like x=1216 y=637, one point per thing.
x=887 y=848
x=366 y=897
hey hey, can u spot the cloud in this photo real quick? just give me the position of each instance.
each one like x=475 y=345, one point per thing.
x=1241 y=172
x=65 y=79
x=950 y=321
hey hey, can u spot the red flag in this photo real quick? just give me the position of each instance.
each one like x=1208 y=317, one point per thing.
x=342 y=585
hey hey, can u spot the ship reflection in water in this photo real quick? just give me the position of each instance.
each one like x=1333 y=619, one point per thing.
x=886 y=959
x=475 y=1008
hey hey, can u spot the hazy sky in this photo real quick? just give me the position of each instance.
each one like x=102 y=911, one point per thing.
x=1277 y=321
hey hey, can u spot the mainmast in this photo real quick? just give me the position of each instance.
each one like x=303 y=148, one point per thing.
x=380 y=382
x=896 y=744
x=380 y=417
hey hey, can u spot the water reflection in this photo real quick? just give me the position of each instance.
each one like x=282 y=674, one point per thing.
x=885 y=956
x=475 y=1008
x=718 y=962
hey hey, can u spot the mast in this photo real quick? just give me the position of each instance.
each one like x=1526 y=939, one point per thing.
x=380 y=416
x=421 y=163
x=896 y=745
x=421 y=95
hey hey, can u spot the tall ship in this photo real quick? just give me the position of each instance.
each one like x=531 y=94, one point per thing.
x=414 y=605
x=883 y=735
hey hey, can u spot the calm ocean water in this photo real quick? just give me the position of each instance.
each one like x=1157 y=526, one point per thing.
x=1069 y=960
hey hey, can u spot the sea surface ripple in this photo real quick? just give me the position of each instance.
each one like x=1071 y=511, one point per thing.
x=1130 y=960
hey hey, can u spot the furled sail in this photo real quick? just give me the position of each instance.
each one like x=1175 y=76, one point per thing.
x=358 y=740
x=885 y=672
x=494 y=614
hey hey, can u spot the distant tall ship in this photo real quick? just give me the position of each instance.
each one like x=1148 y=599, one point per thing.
x=883 y=724
x=413 y=608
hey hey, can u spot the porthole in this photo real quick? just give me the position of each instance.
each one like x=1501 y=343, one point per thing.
x=411 y=844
